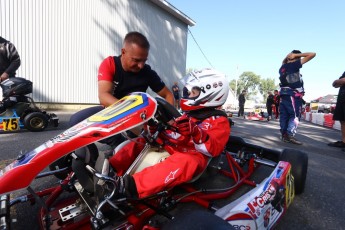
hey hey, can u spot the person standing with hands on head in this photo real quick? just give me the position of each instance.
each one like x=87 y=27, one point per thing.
x=176 y=92
x=339 y=112
x=291 y=89
x=241 y=102
x=269 y=104
x=121 y=75
x=9 y=59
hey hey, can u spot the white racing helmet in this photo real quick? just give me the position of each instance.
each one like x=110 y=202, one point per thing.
x=206 y=88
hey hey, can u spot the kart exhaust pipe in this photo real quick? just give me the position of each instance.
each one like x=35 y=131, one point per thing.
x=266 y=162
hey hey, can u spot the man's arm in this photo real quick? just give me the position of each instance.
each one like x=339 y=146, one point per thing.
x=14 y=59
x=305 y=57
x=105 y=96
x=14 y=62
x=285 y=60
x=167 y=95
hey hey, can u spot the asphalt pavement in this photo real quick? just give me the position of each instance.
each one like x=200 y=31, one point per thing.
x=321 y=206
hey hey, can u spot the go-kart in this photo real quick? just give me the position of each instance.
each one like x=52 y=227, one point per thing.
x=72 y=205
x=256 y=115
x=22 y=112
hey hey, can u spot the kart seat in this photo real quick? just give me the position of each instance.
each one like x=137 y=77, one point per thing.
x=19 y=108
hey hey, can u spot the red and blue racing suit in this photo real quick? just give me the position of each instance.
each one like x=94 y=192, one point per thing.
x=290 y=97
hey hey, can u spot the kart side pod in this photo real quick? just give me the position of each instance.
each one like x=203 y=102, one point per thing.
x=261 y=207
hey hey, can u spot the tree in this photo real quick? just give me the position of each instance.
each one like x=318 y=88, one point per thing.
x=267 y=85
x=247 y=81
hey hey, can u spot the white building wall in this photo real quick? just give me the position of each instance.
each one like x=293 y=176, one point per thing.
x=62 y=42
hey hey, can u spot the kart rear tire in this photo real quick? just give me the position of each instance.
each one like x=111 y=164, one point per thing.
x=197 y=219
x=35 y=122
x=56 y=123
x=299 y=167
x=55 y=119
x=5 y=212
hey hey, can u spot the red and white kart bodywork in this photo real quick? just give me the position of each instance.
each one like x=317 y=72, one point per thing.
x=255 y=116
x=260 y=208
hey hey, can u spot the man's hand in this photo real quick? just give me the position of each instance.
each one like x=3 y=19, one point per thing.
x=337 y=83
x=4 y=76
x=187 y=127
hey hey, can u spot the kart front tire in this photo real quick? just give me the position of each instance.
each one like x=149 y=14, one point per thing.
x=299 y=167
x=35 y=121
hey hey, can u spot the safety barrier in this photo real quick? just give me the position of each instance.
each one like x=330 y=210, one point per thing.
x=328 y=120
x=324 y=119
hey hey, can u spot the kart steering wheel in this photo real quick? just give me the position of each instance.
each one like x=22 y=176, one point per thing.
x=165 y=111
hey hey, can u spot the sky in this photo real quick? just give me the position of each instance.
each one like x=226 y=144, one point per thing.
x=250 y=35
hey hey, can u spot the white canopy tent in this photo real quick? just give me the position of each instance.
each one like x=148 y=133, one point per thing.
x=231 y=102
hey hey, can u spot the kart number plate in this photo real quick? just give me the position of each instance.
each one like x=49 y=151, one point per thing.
x=10 y=124
x=290 y=188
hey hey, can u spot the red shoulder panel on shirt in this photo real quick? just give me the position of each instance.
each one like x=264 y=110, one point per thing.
x=106 y=70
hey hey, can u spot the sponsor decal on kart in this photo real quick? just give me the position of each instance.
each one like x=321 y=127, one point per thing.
x=114 y=116
x=263 y=206
x=290 y=188
x=124 y=107
x=256 y=205
x=242 y=220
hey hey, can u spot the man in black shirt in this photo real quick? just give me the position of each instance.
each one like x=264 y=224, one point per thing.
x=269 y=103
x=339 y=112
x=9 y=59
x=9 y=63
x=118 y=76
x=241 y=102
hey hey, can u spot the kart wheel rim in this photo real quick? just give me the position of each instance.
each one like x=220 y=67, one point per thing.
x=36 y=122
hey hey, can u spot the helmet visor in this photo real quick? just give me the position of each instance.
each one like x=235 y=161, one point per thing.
x=191 y=86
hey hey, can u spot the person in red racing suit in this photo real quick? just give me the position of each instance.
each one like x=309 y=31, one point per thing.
x=188 y=158
x=202 y=133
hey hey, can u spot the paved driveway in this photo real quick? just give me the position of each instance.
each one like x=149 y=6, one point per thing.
x=321 y=206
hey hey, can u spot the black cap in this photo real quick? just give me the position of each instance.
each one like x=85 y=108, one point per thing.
x=343 y=75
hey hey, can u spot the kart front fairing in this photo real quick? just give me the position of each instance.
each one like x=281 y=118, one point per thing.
x=129 y=112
